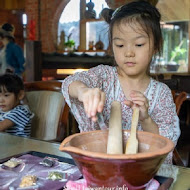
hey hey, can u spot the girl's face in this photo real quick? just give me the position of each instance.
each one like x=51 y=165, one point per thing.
x=133 y=49
x=8 y=100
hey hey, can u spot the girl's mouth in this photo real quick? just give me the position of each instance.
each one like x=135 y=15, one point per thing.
x=130 y=64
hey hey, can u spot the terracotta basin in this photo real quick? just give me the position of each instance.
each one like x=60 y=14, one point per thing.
x=88 y=149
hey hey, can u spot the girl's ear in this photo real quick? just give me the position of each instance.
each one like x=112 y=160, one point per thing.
x=21 y=95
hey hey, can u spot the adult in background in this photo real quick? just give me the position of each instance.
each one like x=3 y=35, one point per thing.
x=11 y=55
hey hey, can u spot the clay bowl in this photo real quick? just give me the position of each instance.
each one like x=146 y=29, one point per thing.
x=88 y=149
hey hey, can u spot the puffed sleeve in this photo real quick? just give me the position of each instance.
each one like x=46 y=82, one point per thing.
x=165 y=115
x=93 y=79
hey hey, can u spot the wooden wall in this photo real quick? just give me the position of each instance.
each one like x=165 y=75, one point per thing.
x=11 y=11
x=12 y=4
x=14 y=18
x=174 y=10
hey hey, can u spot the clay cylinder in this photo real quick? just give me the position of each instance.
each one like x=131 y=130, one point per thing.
x=115 y=143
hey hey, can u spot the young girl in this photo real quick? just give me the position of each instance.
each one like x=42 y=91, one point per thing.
x=15 y=118
x=136 y=37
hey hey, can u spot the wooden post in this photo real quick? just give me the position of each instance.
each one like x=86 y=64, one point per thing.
x=33 y=61
x=189 y=45
x=82 y=26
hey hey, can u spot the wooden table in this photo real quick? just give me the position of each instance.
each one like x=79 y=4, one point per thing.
x=11 y=145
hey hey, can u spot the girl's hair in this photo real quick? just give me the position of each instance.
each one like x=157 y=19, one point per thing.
x=11 y=83
x=141 y=12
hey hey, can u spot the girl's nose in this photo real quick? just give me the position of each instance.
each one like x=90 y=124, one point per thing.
x=129 y=52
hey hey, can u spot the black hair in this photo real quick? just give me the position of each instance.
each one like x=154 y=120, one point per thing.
x=139 y=11
x=11 y=83
x=8 y=27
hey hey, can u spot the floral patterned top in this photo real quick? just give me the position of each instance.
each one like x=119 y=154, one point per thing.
x=161 y=105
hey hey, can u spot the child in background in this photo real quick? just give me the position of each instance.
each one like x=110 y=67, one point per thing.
x=11 y=55
x=135 y=38
x=15 y=118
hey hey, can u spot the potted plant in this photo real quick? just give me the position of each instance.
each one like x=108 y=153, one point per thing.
x=69 y=44
x=177 y=56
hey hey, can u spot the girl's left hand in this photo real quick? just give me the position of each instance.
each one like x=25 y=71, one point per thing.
x=139 y=99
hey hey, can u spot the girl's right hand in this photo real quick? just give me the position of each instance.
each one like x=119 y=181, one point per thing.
x=93 y=100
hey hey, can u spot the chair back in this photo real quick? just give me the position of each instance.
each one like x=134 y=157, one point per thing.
x=179 y=98
x=51 y=112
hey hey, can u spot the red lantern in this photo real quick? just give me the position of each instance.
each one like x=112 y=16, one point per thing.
x=32 y=33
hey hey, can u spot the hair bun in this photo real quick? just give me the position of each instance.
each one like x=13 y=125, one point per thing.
x=107 y=14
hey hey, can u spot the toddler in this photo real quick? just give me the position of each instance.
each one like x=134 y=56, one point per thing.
x=15 y=118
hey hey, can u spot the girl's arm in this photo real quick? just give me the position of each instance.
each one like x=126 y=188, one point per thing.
x=5 y=124
x=149 y=125
x=138 y=99
x=165 y=115
x=72 y=87
x=75 y=88
x=92 y=98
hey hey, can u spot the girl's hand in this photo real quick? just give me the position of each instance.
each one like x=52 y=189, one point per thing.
x=139 y=99
x=93 y=100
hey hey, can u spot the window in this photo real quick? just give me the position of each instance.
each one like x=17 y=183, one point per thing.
x=98 y=6
x=175 y=49
x=97 y=31
x=69 y=25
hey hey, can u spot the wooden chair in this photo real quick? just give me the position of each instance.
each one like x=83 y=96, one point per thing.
x=179 y=98
x=51 y=112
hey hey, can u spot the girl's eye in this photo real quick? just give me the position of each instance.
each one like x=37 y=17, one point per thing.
x=6 y=95
x=119 y=46
x=139 y=45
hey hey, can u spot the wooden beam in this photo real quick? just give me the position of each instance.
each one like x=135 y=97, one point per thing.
x=174 y=10
x=33 y=61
